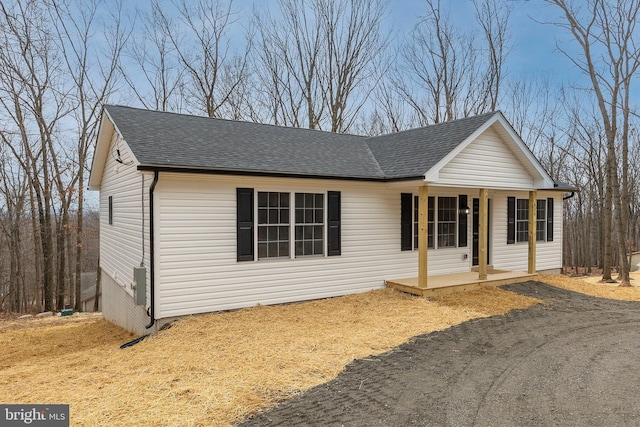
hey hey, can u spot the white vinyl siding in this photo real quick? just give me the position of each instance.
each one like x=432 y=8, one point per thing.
x=486 y=162
x=514 y=256
x=121 y=241
x=196 y=246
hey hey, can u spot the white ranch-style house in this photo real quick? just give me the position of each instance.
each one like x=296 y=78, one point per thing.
x=201 y=215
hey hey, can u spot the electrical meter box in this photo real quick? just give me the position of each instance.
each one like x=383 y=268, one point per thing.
x=140 y=285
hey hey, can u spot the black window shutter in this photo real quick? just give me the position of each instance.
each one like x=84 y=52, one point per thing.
x=463 y=204
x=406 y=221
x=334 y=238
x=549 y=219
x=244 y=201
x=511 y=220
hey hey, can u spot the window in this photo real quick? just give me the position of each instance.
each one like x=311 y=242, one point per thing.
x=430 y=222
x=273 y=225
x=278 y=223
x=443 y=222
x=541 y=220
x=522 y=220
x=309 y=234
x=110 y=210
x=447 y=215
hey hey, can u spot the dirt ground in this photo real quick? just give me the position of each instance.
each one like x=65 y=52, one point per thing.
x=217 y=369
x=572 y=361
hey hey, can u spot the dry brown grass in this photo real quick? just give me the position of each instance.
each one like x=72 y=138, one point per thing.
x=217 y=369
x=591 y=286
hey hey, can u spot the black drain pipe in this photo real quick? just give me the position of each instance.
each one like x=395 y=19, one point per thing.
x=152 y=276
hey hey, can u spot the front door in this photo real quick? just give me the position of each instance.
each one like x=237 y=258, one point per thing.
x=476 y=228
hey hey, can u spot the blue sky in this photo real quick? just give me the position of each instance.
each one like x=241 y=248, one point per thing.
x=533 y=44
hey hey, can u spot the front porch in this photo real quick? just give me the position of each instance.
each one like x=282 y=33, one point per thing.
x=458 y=282
x=482 y=275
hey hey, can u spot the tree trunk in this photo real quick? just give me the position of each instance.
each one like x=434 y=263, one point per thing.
x=96 y=302
x=79 y=242
x=606 y=228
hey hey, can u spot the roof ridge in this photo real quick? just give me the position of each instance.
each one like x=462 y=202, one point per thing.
x=491 y=113
x=195 y=116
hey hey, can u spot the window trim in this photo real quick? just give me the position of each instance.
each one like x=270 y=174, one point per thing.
x=522 y=235
x=269 y=225
x=433 y=221
x=454 y=212
x=331 y=245
x=542 y=233
x=314 y=224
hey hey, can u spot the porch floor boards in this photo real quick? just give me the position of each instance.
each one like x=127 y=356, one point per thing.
x=458 y=282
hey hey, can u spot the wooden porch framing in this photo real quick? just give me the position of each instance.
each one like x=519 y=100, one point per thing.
x=459 y=282
x=429 y=285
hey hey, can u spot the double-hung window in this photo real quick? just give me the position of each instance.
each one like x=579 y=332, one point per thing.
x=287 y=224
x=273 y=225
x=518 y=215
x=309 y=224
x=541 y=220
x=522 y=220
x=447 y=216
x=446 y=226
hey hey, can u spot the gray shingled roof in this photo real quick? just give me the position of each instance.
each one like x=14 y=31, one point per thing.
x=160 y=139
x=182 y=141
x=413 y=152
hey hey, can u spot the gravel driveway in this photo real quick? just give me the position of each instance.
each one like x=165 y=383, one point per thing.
x=572 y=361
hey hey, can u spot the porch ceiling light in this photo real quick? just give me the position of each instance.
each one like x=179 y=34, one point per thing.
x=464 y=211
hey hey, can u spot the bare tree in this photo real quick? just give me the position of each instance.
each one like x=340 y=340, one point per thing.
x=32 y=97
x=451 y=72
x=93 y=73
x=291 y=52
x=390 y=112
x=354 y=46
x=13 y=196
x=202 y=43
x=155 y=74
x=494 y=19
x=320 y=60
x=609 y=56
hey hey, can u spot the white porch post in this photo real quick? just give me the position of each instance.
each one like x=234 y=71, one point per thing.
x=483 y=227
x=423 y=229
x=533 y=216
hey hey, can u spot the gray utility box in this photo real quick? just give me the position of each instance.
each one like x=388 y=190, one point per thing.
x=140 y=285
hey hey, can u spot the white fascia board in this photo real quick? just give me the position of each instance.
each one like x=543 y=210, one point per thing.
x=105 y=135
x=100 y=153
x=543 y=180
